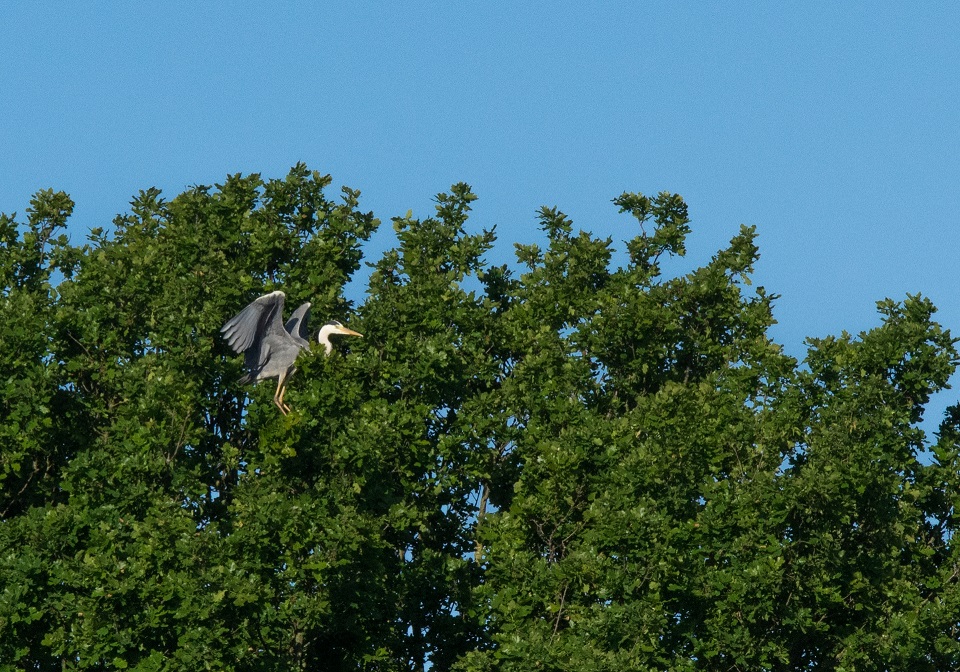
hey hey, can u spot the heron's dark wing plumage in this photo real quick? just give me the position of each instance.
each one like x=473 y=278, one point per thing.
x=254 y=322
x=251 y=329
x=297 y=325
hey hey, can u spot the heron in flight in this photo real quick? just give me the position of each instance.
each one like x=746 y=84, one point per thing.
x=271 y=347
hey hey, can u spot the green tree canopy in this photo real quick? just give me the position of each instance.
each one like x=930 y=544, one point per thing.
x=561 y=464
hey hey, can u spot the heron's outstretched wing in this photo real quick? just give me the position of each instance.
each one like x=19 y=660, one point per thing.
x=249 y=328
x=297 y=324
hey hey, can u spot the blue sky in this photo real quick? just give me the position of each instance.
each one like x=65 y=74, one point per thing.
x=832 y=127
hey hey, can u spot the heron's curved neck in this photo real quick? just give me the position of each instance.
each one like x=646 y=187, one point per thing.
x=324 y=338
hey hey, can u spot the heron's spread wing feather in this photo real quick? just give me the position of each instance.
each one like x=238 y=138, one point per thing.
x=297 y=325
x=259 y=319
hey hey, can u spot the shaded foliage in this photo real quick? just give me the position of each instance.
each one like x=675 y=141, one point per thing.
x=562 y=465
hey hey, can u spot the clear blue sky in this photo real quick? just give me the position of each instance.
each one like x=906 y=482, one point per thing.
x=833 y=127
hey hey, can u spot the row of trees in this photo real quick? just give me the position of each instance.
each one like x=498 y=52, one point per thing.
x=560 y=465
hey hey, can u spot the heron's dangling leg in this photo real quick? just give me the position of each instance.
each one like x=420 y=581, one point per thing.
x=278 y=395
x=285 y=408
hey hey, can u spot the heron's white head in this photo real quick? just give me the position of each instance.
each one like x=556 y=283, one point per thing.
x=333 y=328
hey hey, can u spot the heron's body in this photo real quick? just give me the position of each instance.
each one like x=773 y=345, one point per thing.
x=271 y=348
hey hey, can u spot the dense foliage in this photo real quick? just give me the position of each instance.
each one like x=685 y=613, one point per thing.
x=557 y=466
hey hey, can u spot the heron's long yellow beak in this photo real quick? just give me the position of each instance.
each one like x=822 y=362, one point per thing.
x=348 y=332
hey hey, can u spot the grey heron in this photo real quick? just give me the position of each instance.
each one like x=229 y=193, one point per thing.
x=271 y=347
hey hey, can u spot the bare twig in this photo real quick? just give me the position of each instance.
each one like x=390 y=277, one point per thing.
x=481 y=512
x=563 y=599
